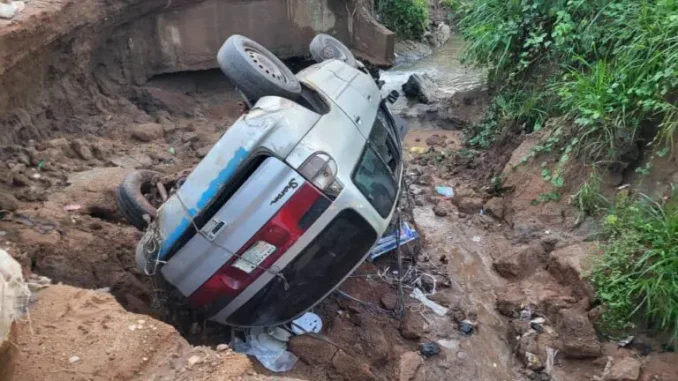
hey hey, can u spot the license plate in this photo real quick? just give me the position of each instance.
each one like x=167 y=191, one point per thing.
x=256 y=254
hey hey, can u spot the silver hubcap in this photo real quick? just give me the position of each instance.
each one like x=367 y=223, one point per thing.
x=265 y=65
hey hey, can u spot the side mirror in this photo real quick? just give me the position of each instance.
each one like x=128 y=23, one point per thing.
x=393 y=96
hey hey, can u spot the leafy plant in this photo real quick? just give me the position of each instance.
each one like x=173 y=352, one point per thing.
x=608 y=66
x=408 y=18
x=588 y=198
x=637 y=276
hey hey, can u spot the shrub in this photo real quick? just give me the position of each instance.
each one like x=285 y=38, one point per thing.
x=408 y=18
x=610 y=67
x=638 y=273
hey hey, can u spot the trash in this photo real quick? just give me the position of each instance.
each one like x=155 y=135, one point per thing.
x=429 y=349
x=475 y=238
x=172 y=150
x=271 y=352
x=533 y=361
x=526 y=314
x=550 y=358
x=437 y=308
x=41 y=164
x=388 y=242
x=14 y=294
x=466 y=327
x=279 y=333
x=72 y=207
x=73 y=359
x=307 y=323
x=36 y=176
x=9 y=10
x=418 y=149
x=538 y=324
x=445 y=191
x=449 y=343
x=626 y=341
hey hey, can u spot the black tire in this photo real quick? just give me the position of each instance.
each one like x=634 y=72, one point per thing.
x=255 y=71
x=130 y=198
x=325 y=47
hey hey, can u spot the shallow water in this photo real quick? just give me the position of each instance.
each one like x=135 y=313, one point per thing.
x=443 y=66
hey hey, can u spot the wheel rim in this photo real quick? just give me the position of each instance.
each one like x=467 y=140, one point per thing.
x=330 y=51
x=265 y=65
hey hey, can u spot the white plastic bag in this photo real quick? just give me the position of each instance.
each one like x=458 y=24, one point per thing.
x=271 y=352
x=14 y=294
x=10 y=9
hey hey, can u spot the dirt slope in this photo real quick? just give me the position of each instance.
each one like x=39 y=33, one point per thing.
x=75 y=334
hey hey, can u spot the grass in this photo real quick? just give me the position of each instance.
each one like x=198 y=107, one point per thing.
x=588 y=198
x=601 y=78
x=637 y=277
x=408 y=18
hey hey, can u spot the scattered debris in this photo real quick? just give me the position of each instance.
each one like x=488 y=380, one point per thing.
x=429 y=349
x=9 y=10
x=626 y=341
x=388 y=242
x=466 y=327
x=445 y=191
x=271 y=352
x=307 y=323
x=435 y=307
x=72 y=207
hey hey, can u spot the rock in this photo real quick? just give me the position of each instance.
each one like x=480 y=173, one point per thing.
x=409 y=364
x=442 y=209
x=202 y=152
x=436 y=140
x=520 y=262
x=595 y=313
x=36 y=157
x=389 y=301
x=21 y=180
x=439 y=35
x=495 y=206
x=351 y=368
x=311 y=350
x=429 y=349
x=147 y=132
x=73 y=359
x=421 y=87
x=466 y=327
x=195 y=359
x=412 y=326
x=155 y=100
x=579 y=339
x=626 y=369
x=469 y=205
x=222 y=347
x=462 y=215
x=82 y=149
x=424 y=179
x=569 y=265
x=8 y=202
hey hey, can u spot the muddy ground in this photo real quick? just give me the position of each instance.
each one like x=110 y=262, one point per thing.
x=510 y=273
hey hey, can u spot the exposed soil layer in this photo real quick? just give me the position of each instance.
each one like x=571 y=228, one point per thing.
x=509 y=272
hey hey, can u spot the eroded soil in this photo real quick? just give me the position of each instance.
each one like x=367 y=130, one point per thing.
x=492 y=258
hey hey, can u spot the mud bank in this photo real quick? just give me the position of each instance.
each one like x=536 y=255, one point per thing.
x=500 y=265
x=65 y=62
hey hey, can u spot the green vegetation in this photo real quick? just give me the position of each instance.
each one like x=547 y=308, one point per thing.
x=588 y=198
x=610 y=67
x=600 y=78
x=637 y=277
x=408 y=18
